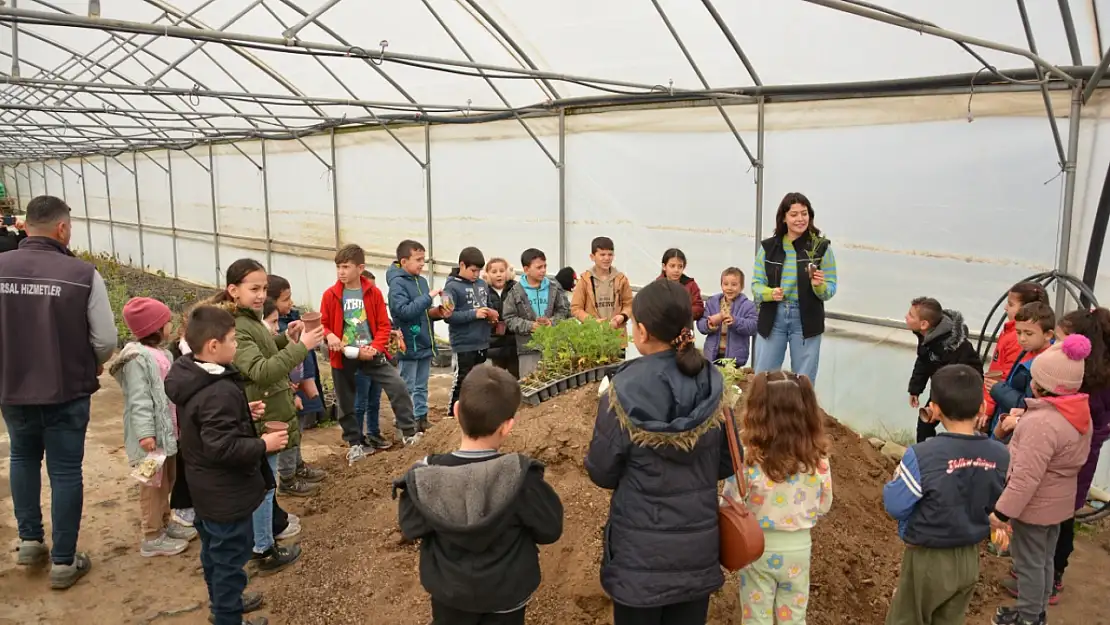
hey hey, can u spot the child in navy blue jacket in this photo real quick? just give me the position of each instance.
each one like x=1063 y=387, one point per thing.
x=941 y=495
x=468 y=317
x=1034 y=325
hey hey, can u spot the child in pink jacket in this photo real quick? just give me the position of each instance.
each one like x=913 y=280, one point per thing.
x=1049 y=446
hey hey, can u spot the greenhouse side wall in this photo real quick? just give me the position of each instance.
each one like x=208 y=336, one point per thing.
x=916 y=200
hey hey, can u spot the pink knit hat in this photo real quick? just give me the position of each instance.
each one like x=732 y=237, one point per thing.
x=1059 y=370
x=144 y=316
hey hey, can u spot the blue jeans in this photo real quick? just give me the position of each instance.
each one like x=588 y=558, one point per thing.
x=805 y=354
x=368 y=403
x=225 y=549
x=416 y=373
x=263 y=517
x=58 y=431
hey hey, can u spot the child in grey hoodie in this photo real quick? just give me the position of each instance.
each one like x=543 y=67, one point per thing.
x=469 y=319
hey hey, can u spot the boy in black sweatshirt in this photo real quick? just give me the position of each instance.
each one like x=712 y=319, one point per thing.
x=225 y=461
x=942 y=339
x=479 y=514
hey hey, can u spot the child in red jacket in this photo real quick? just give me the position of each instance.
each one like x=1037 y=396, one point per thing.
x=1006 y=351
x=357 y=326
x=674 y=267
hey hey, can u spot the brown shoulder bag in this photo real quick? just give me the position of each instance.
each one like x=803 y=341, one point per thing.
x=741 y=536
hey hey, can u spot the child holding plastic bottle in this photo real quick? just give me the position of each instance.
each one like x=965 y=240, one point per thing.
x=150 y=421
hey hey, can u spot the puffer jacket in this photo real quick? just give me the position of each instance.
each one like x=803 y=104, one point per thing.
x=146 y=409
x=944 y=344
x=266 y=361
x=409 y=301
x=660 y=446
x=1099 y=402
x=1050 y=444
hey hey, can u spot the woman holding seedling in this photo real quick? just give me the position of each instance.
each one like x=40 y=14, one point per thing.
x=795 y=274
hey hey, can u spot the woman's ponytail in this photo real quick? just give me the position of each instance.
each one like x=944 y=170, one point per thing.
x=689 y=359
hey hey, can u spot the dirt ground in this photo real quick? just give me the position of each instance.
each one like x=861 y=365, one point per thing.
x=355 y=569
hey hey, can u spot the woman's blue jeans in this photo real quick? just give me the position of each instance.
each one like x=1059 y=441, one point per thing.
x=263 y=518
x=805 y=354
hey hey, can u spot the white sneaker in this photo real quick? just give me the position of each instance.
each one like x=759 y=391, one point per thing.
x=291 y=530
x=414 y=439
x=162 y=546
x=180 y=532
x=293 y=519
x=184 y=516
x=31 y=552
x=356 y=453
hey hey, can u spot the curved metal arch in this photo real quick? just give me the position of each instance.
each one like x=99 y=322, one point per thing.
x=342 y=41
x=524 y=58
x=250 y=58
x=120 y=40
x=82 y=58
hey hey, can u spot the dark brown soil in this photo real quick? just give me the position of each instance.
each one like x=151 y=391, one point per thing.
x=354 y=559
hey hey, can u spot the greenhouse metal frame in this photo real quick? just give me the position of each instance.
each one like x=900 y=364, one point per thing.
x=184 y=123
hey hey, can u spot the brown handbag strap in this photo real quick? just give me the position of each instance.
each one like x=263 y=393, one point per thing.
x=734 y=451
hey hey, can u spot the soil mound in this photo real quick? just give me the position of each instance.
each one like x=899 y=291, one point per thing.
x=356 y=568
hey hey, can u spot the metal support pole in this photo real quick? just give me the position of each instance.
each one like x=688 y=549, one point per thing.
x=761 y=112
x=173 y=216
x=334 y=190
x=292 y=31
x=15 y=42
x=1044 y=85
x=428 y=202
x=108 y=196
x=1096 y=77
x=85 y=195
x=562 y=167
x=1069 y=30
x=732 y=41
x=1064 y=257
x=215 y=214
x=266 y=209
x=138 y=211
x=45 y=180
x=880 y=16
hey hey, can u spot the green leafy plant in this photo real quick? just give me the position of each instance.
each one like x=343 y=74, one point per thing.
x=570 y=346
x=734 y=378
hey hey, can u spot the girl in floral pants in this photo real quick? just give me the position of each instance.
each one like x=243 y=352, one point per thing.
x=789 y=487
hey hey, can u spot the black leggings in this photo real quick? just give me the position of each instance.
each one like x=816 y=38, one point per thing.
x=686 y=613
x=1064 y=546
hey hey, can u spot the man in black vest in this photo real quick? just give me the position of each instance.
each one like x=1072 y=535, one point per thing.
x=9 y=238
x=56 y=333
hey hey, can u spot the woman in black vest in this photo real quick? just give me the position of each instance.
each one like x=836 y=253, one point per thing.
x=795 y=274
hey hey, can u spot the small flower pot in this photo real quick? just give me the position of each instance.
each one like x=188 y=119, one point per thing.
x=312 y=320
x=561 y=385
x=276 y=426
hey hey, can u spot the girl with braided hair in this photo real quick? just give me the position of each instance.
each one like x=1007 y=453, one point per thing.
x=659 y=445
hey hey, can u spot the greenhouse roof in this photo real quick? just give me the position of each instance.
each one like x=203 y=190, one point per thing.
x=108 y=76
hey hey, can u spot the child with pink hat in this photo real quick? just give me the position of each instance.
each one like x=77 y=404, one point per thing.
x=1049 y=447
x=150 y=420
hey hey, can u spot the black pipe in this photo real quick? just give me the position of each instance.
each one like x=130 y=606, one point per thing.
x=1098 y=236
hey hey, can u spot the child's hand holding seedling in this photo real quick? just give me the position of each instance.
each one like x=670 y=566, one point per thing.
x=148 y=444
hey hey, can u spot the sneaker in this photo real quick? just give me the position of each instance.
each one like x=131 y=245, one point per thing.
x=375 y=441
x=358 y=452
x=258 y=620
x=311 y=475
x=290 y=531
x=422 y=424
x=180 y=532
x=184 y=516
x=63 y=576
x=162 y=545
x=31 y=552
x=1058 y=582
x=1010 y=616
x=292 y=518
x=276 y=559
x=1011 y=587
x=413 y=439
x=251 y=601
x=298 y=488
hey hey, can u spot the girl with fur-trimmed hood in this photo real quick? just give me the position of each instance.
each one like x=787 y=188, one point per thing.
x=659 y=445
